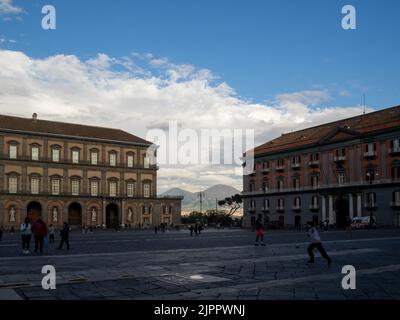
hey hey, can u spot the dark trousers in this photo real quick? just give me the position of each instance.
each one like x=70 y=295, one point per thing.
x=63 y=239
x=320 y=249
x=39 y=243
x=51 y=238
x=26 y=240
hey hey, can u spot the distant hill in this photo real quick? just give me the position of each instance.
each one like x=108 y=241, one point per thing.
x=191 y=200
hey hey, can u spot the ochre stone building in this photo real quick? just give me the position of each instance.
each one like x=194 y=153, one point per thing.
x=80 y=174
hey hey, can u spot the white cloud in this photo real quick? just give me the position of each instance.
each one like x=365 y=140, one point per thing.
x=7 y=7
x=140 y=92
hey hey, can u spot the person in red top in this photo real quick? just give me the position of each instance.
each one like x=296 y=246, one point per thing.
x=39 y=229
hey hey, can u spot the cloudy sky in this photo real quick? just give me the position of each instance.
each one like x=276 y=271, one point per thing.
x=138 y=65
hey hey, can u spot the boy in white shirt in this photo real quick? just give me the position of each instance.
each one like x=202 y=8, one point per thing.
x=316 y=243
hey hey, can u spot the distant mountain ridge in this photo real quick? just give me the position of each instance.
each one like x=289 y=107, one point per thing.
x=191 y=200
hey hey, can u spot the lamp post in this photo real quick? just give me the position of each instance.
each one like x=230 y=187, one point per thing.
x=371 y=175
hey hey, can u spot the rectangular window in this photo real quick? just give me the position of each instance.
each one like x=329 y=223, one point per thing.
x=75 y=187
x=146 y=162
x=94 y=188
x=113 y=159
x=56 y=155
x=296 y=183
x=315 y=157
x=266 y=204
x=146 y=190
x=12 y=185
x=93 y=158
x=341 y=179
x=55 y=186
x=397 y=196
x=314 y=182
x=130 y=188
x=280 y=185
x=35 y=185
x=75 y=156
x=280 y=163
x=396 y=144
x=113 y=189
x=296 y=160
x=130 y=161
x=35 y=153
x=12 y=152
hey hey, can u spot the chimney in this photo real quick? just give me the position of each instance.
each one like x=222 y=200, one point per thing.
x=34 y=117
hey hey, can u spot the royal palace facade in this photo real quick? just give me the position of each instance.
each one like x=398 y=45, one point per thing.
x=79 y=174
x=331 y=172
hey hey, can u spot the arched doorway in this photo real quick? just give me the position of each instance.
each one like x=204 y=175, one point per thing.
x=112 y=215
x=75 y=214
x=34 y=210
x=342 y=211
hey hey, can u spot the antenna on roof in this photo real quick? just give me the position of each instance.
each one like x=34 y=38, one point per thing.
x=364 y=102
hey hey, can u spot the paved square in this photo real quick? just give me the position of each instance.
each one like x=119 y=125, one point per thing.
x=219 y=264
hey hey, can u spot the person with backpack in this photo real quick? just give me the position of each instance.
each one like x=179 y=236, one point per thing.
x=316 y=243
x=39 y=229
x=26 y=234
x=259 y=226
x=64 y=233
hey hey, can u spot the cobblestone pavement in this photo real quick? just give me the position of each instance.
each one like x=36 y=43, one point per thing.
x=219 y=264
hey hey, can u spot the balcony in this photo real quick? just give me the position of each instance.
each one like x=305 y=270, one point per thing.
x=265 y=170
x=314 y=164
x=296 y=207
x=369 y=154
x=265 y=209
x=314 y=207
x=296 y=166
x=395 y=204
x=394 y=151
x=252 y=209
x=280 y=208
x=280 y=168
x=340 y=159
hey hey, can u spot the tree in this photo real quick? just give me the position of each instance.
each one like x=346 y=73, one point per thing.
x=233 y=203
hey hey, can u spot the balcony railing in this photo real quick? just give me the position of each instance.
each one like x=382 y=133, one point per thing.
x=395 y=204
x=296 y=165
x=314 y=206
x=326 y=186
x=265 y=209
x=314 y=163
x=280 y=168
x=370 y=154
x=265 y=170
x=340 y=158
x=370 y=205
x=296 y=207
x=395 y=150
x=280 y=208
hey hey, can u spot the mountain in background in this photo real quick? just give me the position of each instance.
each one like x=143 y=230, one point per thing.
x=191 y=200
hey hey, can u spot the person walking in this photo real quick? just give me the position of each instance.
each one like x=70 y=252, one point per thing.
x=196 y=230
x=259 y=226
x=51 y=233
x=348 y=225
x=39 y=229
x=316 y=243
x=64 y=233
x=26 y=234
x=191 y=230
x=155 y=230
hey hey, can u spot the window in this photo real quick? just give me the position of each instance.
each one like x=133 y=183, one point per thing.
x=281 y=185
x=314 y=182
x=130 y=189
x=12 y=151
x=113 y=159
x=371 y=199
x=314 y=157
x=113 y=188
x=281 y=203
x=341 y=152
x=252 y=204
x=35 y=153
x=296 y=160
x=296 y=183
x=12 y=184
x=252 y=186
x=55 y=155
x=396 y=172
x=146 y=162
x=94 y=188
x=146 y=190
x=395 y=145
x=75 y=156
x=34 y=185
x=146 y=209
x=396 y=197
x=266 y=165
x=75 y=187
x=266 y=204
x=55 y=186
x=341 y=179
x=94 y=157
x=370 y=148
x=280 y=163
x=297 y=202
x=314 y=201
x=266 y=185
x=130 y=161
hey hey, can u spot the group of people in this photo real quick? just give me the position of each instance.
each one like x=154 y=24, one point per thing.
x=42 y=235
x=312 y=233
x=196 y=229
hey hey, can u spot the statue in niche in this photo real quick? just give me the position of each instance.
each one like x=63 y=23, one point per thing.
x=94 y=215
x=12 y=214
x=55 y=214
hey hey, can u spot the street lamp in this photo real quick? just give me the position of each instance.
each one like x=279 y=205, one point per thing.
x=371 y=175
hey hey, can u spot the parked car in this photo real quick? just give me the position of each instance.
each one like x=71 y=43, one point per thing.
x=363 y=223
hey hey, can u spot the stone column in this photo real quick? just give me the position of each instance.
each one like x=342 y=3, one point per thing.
x=323 y=208
x=104 y=212
x=332 y=216
x=351 y=208
x=359 y=205
x=123 y=213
